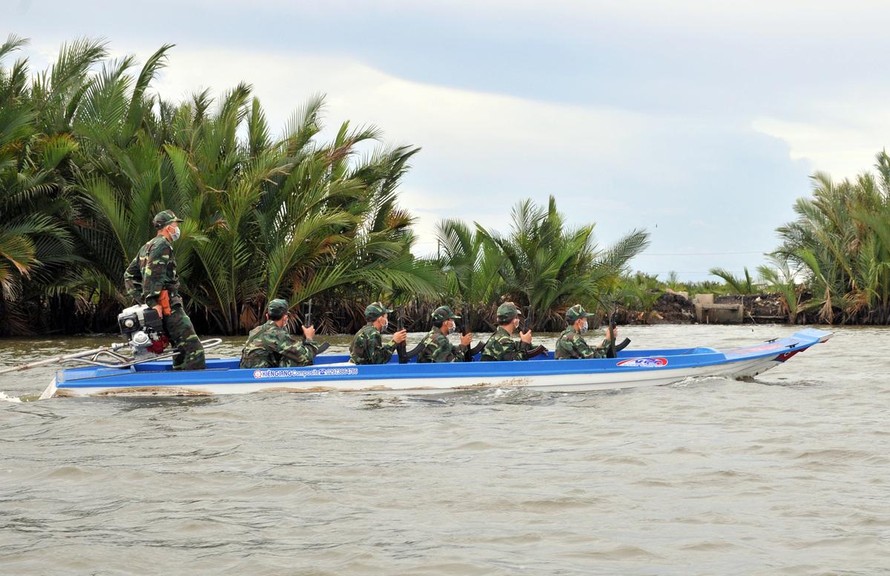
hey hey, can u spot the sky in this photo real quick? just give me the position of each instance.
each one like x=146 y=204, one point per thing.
x=698 y=121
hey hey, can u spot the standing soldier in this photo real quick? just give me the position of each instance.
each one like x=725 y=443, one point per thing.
x=436 y=346
x=270 y=345
x=571 y=344
x=367 y=347
x=501 y=345
x=151 y=279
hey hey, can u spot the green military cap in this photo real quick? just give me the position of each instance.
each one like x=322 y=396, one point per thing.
x=278 y=307
x=507 y=311
x=443 y=313
x=375 y=310
x=576 y=312
x=165 y=218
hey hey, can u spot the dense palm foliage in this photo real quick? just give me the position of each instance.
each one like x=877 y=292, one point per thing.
x=88 y=154
x=36 y=199
x=87 y=158
x=840 y=245
x=540 y=264
x=833 y=265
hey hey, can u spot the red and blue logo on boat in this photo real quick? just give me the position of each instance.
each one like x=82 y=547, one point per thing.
x=643 y=363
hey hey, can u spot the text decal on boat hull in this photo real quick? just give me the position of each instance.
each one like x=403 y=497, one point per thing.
x=643 y=363
x=304 y=373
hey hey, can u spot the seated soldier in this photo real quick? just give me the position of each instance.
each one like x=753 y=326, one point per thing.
x=270 y=345
x=436 y=346
x=501 y=345
x=367 y=347
x=571 y=344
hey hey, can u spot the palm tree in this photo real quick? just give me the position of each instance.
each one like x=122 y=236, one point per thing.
x=35 y=245
x=121 y=178
x=743 y=286
x=638 y=292
x=780 y=278
x=471 y=266
x=842 y=242
x=291 y=219
x=545 y=266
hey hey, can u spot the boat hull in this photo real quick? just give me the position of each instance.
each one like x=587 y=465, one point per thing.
x=332 y=373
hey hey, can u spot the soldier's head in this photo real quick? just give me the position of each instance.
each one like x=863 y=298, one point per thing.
x=507 y=313
x=277 y=309
x=167 y=223
x=377 y=313
x=444 y=316
x=576 y=316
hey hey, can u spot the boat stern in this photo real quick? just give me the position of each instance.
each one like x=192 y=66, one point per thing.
x=50 y=390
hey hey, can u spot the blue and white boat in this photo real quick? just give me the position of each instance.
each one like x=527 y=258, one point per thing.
x=333 y=373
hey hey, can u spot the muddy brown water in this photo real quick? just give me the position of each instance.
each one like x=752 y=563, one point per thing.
x=788 y=474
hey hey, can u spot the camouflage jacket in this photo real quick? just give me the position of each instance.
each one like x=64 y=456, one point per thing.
x=152 y=270
x=437 y=348
x=271 y=346
x=571 y=344
x=502 y=346
x=368 y=348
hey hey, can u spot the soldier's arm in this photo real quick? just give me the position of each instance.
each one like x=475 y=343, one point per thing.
x=383 y=352
x=133 y=281
x=514 y=350
x=584 y=350
x=492 y=350
x=154 y=271
x=458 y=353
x=445 y=351
x=501 y=346
x=428 y=352
x=358 y=350
x=514 y=353
x=302 y=352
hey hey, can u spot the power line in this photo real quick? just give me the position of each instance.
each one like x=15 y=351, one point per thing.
x=696 y=253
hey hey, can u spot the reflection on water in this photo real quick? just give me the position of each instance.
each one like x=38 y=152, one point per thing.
x=784 y=475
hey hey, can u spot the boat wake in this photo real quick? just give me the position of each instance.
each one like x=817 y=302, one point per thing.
x=5 y=398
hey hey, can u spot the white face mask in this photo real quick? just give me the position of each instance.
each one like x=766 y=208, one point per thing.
x=385 y=325
x=174 y=236
x=451 y=327
x=584 y=327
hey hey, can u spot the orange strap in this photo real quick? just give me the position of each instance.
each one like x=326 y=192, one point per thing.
x=164 y=301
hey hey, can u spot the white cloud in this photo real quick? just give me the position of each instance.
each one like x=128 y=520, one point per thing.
x=462 y=122
x=839 y=138
x=471 y=139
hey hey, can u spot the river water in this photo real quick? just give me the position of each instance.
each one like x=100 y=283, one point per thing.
x=789 y=474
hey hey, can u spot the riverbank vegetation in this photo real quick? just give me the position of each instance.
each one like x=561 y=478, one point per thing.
x=88 y=154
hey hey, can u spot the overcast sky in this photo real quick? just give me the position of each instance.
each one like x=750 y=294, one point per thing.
x=699 y=121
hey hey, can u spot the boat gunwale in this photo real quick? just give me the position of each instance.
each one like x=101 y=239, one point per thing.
x=87 y=378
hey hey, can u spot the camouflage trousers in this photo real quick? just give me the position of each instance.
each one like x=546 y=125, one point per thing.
x=182 y=336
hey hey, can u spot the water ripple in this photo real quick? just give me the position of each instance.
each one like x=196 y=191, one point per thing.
x=784 y=475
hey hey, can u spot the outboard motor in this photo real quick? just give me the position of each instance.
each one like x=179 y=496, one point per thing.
x=144 y=329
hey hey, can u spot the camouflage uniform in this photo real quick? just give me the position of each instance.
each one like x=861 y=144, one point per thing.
x=153 y=270
x=270 y=346
x=571 y=344
x=368 y=348
x=437 y=348
x=502 y=346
